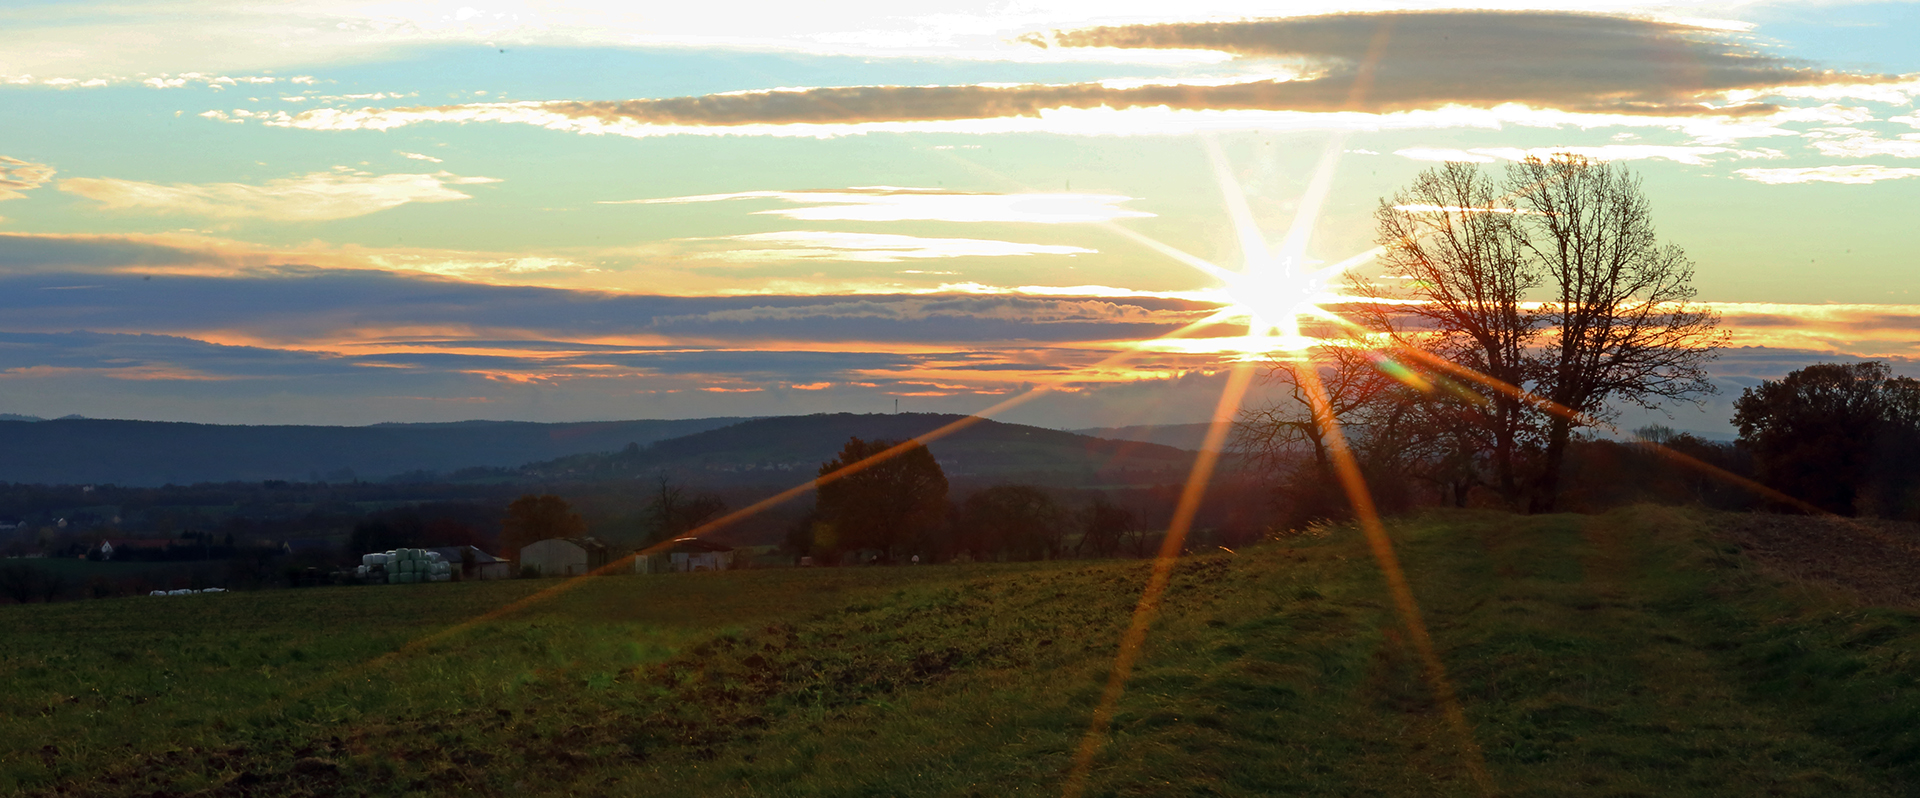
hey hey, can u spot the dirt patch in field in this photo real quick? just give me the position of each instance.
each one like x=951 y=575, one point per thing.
x=1875 y=559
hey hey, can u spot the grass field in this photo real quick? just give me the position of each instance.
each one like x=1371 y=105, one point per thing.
x=1635 y=653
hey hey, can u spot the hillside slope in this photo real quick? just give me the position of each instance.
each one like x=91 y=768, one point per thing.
x=793 y=447
x=1637 y=653
x=1181 y=436
x=76 y=451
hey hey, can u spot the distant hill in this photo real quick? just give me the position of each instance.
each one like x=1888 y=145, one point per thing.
x=793 y=447
x=158 y=452
x=1184 y=436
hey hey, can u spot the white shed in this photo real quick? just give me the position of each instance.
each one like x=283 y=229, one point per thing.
x=563 y=556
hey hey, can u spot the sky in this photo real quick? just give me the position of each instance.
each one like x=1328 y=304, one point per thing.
x=357 y=212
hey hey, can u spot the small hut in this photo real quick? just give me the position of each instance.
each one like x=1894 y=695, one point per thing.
x=474 y=563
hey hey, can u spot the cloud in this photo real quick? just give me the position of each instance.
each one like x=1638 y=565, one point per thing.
x=1847 y=142
x=895 y=204
x=419 y=157
x=1557 y=59
x=1852 y=174
x=1380 y=63
x=161 y=81
x=358 y=309
x=794 y=245
x=1692 y=155
x=17 y=176
x=314 y=197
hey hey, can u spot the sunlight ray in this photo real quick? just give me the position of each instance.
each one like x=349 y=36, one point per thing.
x=1253 y=245
x=1347 y=468
x=1149 y=605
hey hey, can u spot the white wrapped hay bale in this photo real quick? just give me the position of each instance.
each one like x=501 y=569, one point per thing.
x=158 y=593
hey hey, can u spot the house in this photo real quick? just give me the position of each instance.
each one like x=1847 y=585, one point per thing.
x=563 y=556
x=474 y=563
x=685 y=555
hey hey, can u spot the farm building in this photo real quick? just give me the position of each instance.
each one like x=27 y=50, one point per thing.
x=686 y=554
x=474 y=563
x=563 y=556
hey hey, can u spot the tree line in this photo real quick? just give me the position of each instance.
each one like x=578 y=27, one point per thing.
x=880 y=500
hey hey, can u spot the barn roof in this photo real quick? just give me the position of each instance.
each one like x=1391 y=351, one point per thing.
x=695 y=545
x=587 y=544
x=452 y=554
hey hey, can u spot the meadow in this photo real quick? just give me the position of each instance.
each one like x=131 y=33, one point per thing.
x=1646 y=651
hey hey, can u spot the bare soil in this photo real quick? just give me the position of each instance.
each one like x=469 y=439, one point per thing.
x=1878 y=560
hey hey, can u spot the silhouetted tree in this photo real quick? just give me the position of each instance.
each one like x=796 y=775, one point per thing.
x=881 y=503
x=1617 y=323
x=1289 y=439
x=674 y=512
x=1016 y=522
x=1624 y=326
x=413 y=526
x=1453 y=235
x=1103 y=527
x=1843 y=437
x=531 y=519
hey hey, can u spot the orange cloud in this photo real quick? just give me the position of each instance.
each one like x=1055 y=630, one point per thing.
x=17 y=176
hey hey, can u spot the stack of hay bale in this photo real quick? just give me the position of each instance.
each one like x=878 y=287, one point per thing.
x=404 y=567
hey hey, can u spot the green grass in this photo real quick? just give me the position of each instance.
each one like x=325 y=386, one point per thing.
x=1626 y=654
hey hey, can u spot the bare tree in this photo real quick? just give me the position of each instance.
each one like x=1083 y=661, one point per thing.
x=1362 y=398
x=1453 y=241
x=1549 y=285
x=1276 y=435
x=1624 y=327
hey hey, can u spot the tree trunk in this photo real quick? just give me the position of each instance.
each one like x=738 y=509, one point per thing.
x=1546 y=491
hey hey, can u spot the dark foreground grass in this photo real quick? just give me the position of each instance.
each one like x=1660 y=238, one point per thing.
x=1627 y=654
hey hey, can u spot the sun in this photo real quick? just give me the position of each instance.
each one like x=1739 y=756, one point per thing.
x=1273 y=296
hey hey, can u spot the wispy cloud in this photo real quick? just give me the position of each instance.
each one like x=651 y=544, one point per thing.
x=318 y=196
x=1849 y=142
x=1692 y=155
x=1853 y=174
x=160 y=81
x=792 y=245
x=1851 y=330
x=415 y=156
x=895 y=204
x=17 y=176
